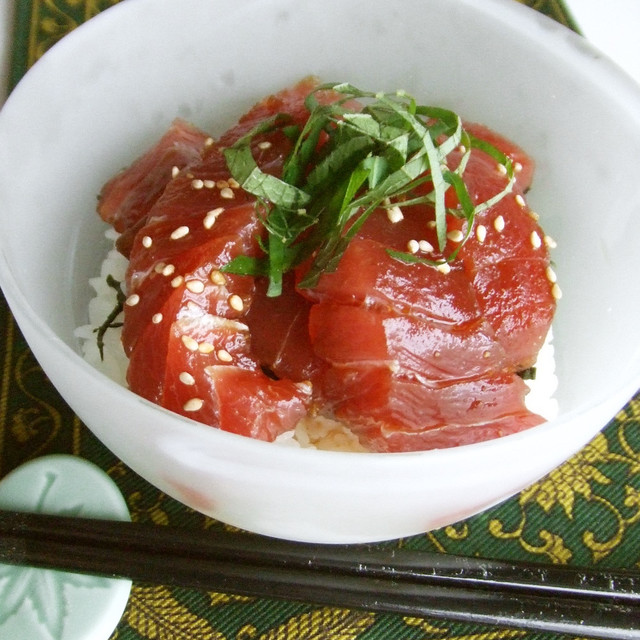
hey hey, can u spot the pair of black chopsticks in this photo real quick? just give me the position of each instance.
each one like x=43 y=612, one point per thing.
x=584 y=601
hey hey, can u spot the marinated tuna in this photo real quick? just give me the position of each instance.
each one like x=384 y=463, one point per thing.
x=275 y=274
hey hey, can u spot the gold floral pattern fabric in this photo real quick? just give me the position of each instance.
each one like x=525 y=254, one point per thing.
x=586 y=512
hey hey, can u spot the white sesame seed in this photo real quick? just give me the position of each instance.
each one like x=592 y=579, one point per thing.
x=147 y=242
x=481 y=233
x=208 y=142
x=556 y=292
x=550 y=242
x=534 y=216
x=197 y=183
x=195 y=286
x=180 y=232
x=222 y=184
x=217 y=278
x=195 y=404
x=520 y=201
x=498 y=224
x=431 y=224
x=455 y=235
x=236 y=302
x=209 y=184
x=551 y=275
x=413 y=246
x=211 y=217
x=189 y=342
x=132 y=300
x=536 y=241
x=227 y=193
x=186 y=378
x=157 y=318
x=395 y=214
x=305 y=386
x=444 y=267
x=264 y=145
x=462 y=149
x=517 y=167
x=168 y=270
x=177 y=281
x=502 y=170
x=233 y=183
x=159 y=267
x=175 y=171
x=205 y=347
x=224 y=355
x=425 y=246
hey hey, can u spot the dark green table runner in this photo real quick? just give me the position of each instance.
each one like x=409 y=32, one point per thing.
x=586 y=512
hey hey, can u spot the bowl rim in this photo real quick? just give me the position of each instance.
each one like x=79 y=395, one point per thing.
x=575 y=50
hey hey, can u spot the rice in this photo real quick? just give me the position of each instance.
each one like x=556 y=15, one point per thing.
x=542 y=389
x=311 y=432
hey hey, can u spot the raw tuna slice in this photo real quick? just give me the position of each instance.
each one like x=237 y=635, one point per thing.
x=407 y=355
x=515 y=298
x=251 y=404
x=218 y=381
x=523 y=164
x=368 y=276
x=126 y=199
x=189 y=349
x=420 y=357
x=280 y=332
x=346 y=335
x=391 y=414
x=172 y=274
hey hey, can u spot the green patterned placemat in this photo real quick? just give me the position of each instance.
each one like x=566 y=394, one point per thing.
x=586 y=512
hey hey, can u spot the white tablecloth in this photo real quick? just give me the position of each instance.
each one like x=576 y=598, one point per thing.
x=612 y=26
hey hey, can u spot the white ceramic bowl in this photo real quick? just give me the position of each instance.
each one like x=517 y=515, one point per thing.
x=112 y=87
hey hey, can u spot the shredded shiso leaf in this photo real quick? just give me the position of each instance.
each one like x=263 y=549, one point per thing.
x=373 y=155
x=110 y=322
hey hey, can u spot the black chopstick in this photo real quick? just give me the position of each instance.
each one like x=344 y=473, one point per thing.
x=602 y=604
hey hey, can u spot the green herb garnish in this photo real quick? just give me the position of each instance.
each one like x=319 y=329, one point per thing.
x=345 y=164
x=528 y=374
x=110 y=322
